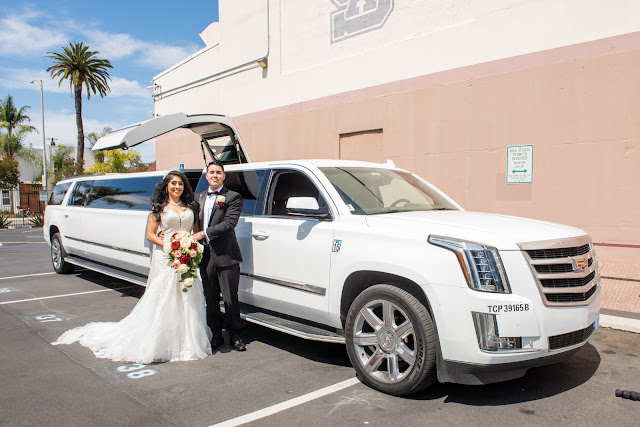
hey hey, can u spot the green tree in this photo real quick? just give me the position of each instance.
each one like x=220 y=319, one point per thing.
x=9 y=174
x=12 y=118
x=119 y=161
x=81 y=67
x=63 y=163
x=93 y=137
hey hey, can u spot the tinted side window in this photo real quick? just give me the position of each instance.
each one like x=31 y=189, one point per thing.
x=123 y=193
x=58 y=193
x=80 y=193
x=247 y=183
x=290 y=184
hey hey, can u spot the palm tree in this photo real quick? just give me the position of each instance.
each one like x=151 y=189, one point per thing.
x=11 y=144
x=12 y=118
x=93 y=137
x=82 y=67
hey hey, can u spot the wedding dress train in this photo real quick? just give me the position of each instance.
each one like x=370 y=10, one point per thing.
x=165 y=325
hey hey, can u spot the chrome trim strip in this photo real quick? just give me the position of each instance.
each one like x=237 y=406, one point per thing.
x=555 y=243
x=299 y=286
x=109 y=247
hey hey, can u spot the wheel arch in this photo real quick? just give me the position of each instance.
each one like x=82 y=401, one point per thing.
x=358 y=281
x=53 y=230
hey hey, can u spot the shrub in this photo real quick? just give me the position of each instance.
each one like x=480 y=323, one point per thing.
x=36 y=220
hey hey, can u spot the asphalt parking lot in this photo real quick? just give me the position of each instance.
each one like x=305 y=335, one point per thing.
x=279 y=381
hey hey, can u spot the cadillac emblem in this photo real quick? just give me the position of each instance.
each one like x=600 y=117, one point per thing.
x=580 y=264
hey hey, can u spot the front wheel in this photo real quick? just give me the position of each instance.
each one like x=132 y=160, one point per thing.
x=57 y=256
x=391 y=340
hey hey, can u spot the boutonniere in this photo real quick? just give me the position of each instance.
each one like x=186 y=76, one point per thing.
x=220 y=200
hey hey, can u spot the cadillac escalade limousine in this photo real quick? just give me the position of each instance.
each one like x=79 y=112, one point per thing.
x=364 y=254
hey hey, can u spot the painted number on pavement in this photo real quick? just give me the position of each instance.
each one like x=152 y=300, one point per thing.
x=48 y=318
x=136 y=370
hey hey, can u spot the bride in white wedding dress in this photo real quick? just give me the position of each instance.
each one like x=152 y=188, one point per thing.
x=166 y=324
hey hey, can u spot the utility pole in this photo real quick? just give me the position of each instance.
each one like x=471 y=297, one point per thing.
x=44 y=141
x=51 y=145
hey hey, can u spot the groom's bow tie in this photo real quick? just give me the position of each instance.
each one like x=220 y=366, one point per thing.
x=209 y=193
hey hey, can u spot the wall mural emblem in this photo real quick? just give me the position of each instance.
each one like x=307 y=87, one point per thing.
x=355 y=17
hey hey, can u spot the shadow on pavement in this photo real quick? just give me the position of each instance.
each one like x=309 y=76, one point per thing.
x=126 y=289
x=538 y=383
x=331 y=354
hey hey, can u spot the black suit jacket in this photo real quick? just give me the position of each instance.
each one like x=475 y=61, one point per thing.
x=220 y=228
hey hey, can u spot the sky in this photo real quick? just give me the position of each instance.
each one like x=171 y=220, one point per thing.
x=140 y=39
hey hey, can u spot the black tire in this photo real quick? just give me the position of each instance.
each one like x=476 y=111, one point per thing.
x=57 y=256
x=391 y=340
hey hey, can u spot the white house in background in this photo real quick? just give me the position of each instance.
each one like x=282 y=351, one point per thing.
x=442 y=88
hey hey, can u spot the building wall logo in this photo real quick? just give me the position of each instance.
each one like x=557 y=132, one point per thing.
x=355 y=17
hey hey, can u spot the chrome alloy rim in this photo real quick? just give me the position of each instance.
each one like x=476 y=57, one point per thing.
x=56 y=255
x=385 y=341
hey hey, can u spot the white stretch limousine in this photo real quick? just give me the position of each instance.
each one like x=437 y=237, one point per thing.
x=365 y=254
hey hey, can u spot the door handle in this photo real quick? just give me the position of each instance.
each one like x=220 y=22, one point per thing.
x=260 y=235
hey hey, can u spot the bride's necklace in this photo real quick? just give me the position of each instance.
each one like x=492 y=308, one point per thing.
x=175 y=204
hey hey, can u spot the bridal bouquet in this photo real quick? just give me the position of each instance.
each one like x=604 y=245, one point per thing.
x=184 y=255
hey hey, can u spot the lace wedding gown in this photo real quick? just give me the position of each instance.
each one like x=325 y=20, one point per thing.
x=165 y=325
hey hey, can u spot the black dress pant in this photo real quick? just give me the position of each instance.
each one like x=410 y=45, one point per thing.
x=225 y=280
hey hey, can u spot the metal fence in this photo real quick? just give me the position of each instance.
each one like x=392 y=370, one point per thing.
x=22 y=206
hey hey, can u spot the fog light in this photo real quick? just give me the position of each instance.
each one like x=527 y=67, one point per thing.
x=488 y=337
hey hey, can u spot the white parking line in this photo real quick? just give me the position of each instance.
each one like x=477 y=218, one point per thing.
x=66 y=295
x=25 y=243
x=27 y=275
x=262 y=413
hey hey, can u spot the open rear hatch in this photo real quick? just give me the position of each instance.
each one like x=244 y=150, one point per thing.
x=219 y=138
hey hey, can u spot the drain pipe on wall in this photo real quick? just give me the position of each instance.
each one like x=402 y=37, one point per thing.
x=261 y=62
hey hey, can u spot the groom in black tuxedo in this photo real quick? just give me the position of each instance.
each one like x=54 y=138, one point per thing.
x=220 y=267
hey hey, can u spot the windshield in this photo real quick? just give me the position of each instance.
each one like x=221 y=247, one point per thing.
x=368 y=191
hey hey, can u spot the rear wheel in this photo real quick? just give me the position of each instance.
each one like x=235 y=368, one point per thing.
x=57 y=256
x=391 y=340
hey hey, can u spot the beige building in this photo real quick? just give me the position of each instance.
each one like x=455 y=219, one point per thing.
x=444 y=89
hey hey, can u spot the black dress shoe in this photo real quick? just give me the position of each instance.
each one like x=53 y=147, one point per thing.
x=237 y=344
x=216 y=341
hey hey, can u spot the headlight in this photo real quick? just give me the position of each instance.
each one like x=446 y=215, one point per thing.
x=480 y=264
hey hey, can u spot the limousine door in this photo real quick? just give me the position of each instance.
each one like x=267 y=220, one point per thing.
x=218 y=135
x=288 y=262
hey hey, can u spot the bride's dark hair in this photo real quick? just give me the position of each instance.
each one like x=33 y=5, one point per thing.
x=160 y=197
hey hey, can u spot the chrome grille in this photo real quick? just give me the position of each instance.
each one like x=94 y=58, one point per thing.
x=559 y=253
x=567 y=283
x=566 y=270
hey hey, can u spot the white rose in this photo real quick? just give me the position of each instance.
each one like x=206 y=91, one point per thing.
x=167 y=247
x=200 y=248
x=185 y=242
x=183 y=268
x=188 y=281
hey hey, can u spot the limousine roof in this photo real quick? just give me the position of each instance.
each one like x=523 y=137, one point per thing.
x=320 y=163
x=125 y=175
x=206 y=126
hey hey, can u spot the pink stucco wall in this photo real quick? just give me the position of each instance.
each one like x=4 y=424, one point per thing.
x=579 y=106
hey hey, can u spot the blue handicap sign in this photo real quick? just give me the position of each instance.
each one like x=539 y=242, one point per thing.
x=181 y=165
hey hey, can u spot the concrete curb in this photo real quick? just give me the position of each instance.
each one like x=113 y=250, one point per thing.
x=620 y=323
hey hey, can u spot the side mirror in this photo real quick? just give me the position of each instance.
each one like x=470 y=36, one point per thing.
x=306 y=206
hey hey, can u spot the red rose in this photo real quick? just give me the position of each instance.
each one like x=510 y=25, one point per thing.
x=175 y=235
x=220 y=203
x=194 y=245
x=185 y=260
x=175 y=244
